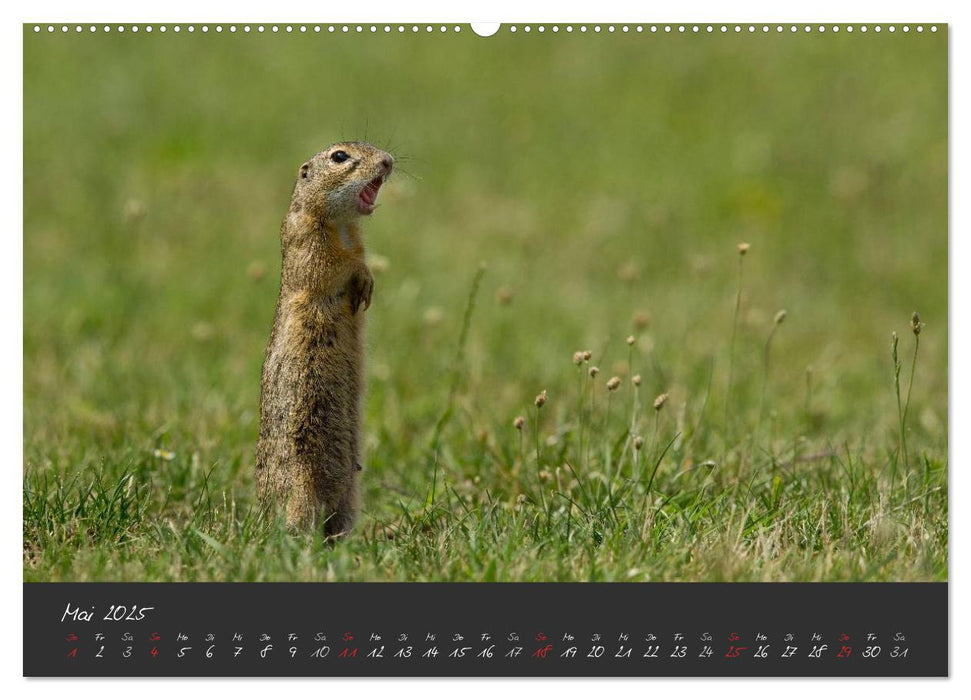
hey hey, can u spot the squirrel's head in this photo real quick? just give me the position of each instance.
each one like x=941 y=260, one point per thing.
x=342 y=181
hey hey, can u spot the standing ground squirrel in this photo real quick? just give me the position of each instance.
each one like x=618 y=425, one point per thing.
x=308 y=455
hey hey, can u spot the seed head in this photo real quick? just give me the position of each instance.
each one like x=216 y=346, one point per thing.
x=628 y=272
x=578 y=358
x=638 y=442
x=594 y=371
x=134 y=210
x=641 y=320
x=915 y=324
x=636 y=380
x=631 y=340
x=540 y=399
x=613 y=383
x=519 y=422
x=256 y=270
x=202 y=330
x=781 y=316
x=504 y=296
x=659 y=401
x=545 y=475
x=433 y=316
x=378 y=263
x=587 y=355
x=743 y=248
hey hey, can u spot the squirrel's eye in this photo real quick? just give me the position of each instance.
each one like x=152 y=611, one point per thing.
x=339 y=156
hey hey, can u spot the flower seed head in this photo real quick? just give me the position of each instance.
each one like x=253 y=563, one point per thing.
x=915 y=324
x=541 y=399
x=743 y=248
x=638 y=442
x=378 y=263
x=628 y=271
x=577 y=357
x=659 y=401
x=256 y=270
x=433 y=316
x=594 y=371
x=636 y=380
x=519 y=422
x=587 y=355
x=613 y=383
x=631 y=340
x=781 y=316
x=134 y=210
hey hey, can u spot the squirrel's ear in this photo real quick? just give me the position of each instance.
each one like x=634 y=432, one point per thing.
x=305 y=171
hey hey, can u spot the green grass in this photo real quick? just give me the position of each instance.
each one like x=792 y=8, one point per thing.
x=604 y=183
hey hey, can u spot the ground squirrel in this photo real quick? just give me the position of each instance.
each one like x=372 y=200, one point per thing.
x=308 y=454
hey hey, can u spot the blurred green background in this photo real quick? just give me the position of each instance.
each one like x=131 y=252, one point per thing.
x=604 y=180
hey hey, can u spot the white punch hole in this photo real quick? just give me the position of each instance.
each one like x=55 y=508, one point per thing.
x=485 y=28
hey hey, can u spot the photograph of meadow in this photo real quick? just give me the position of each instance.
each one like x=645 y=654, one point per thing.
x=647 y=306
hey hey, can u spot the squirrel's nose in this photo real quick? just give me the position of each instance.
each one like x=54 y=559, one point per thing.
x=387 y=162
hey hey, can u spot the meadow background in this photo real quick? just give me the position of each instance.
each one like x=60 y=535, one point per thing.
x=554 y=194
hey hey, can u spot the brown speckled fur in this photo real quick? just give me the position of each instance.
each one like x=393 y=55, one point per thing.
x=308 y=454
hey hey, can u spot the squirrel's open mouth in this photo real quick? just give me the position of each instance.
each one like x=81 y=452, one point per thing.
x=368 y=197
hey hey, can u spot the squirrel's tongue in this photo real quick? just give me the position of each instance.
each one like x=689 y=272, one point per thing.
x=370 y=193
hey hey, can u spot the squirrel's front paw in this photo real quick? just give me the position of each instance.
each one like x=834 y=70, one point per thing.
x=360 y=289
